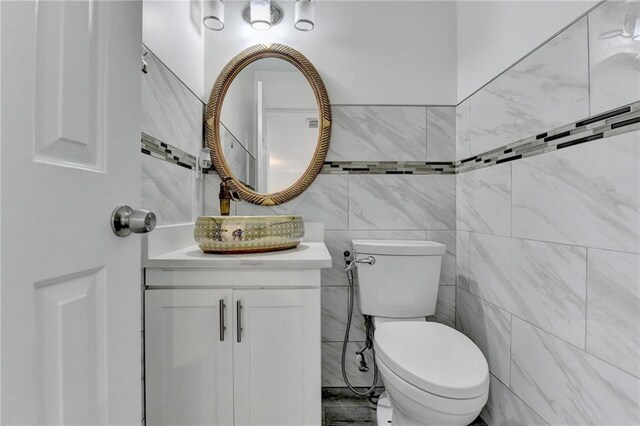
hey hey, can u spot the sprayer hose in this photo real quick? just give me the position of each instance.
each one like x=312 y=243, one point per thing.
x=371 y=390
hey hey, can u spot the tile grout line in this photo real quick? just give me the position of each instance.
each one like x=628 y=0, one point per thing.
x=586 y=297
x=549 y=242
x=517 y=396
x=426 y=133
x=510 y=347
x=544 y=43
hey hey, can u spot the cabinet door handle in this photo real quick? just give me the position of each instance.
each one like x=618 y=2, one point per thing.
x=222 y=308
x=239 y=320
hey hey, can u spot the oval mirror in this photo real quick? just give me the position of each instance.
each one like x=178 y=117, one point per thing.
x=268 y=124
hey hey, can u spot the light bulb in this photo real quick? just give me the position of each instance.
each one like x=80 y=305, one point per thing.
x=261 y=14
x=213 y=14
x=304 y=15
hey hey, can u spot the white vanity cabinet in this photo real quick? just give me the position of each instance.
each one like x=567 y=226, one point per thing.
x=235 y=340
x=188 y=367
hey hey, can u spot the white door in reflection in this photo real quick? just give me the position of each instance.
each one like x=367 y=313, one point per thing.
x=287 y=159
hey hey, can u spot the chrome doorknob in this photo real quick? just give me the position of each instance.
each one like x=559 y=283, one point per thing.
x=125 y=220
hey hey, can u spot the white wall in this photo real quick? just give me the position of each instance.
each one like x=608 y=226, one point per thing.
x=173 y=30
x=492 y=35
x=367 y=52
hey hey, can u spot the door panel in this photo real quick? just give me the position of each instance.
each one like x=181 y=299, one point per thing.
x=189 y=373
x=71 y=331
x=71 y=311
x=69 y=86
x=276 y=362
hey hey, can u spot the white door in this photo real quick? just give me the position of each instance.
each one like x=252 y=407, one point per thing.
x=277 y=357
x=71 y=308
x=189 y=357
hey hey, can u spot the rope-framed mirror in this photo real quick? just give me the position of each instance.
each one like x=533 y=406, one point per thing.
x=268 y=124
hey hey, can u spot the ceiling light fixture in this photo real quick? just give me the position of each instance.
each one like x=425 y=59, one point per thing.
x=213 y=15
x=304 y=15
x=261 y=13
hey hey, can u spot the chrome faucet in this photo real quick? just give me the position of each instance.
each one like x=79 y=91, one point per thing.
x=227 y=195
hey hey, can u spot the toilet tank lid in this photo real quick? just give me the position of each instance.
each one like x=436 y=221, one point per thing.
x=399 y=247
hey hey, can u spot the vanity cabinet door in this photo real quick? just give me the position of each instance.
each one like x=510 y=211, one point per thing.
x=189 y=369
x=277 y=357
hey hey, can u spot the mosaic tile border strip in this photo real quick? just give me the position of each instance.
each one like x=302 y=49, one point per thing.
x=614 y=122
x=388 y=167
x=163 y=151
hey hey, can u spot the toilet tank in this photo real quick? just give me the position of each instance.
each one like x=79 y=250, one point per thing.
x=403 y=282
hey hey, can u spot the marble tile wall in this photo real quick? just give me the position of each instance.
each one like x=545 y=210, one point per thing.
x=378 y=207
x=569 y=272
x=545 y=90
x=548 y=247
x=171 y=113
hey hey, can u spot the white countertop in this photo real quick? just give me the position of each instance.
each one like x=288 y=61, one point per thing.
x=308 y=255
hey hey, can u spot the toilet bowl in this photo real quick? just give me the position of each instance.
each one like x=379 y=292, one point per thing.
x=433 y=374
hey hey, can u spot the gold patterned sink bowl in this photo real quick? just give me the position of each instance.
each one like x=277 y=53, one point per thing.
x=248 y=234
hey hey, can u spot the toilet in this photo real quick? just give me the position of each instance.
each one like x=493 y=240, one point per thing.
x=433 y=374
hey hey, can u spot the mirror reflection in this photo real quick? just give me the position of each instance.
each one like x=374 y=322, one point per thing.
x=269 y=125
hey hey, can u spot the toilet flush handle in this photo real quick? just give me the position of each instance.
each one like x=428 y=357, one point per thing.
x=369 y=260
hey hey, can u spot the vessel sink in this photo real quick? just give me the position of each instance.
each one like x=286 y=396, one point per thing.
x=248 y=234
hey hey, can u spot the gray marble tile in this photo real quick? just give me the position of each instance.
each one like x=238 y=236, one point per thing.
x=448 y=269
x=462 y=259
x=463 y=130
x=587 y=195
x=401 y=202
x=543 y=283
x=445 y=306
x=335 y=310
x=333 y=313
x=490 y=329
x=331 y=369
x=392 y=133
x=170 y=112
x=167 y=190
x=483 y=200
x=441 y=133
x=324 y=201
x=338 y=242
x=504 y=408
x=547 y=89
x=566 y=385
x=613 y=308
x=614 y=62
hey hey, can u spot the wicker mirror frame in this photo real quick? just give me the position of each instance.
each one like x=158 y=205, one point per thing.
x=214 y=108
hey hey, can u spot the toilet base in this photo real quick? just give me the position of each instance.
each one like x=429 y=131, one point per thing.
x=384 y=412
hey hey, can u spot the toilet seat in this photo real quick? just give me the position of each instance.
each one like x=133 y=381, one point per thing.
x=419 y=399
x=434 y=358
